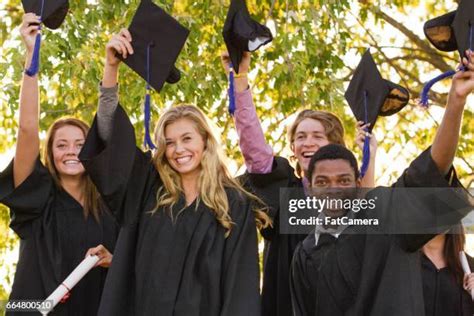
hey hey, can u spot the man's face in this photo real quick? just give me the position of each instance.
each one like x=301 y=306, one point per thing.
x=310 y=135
x=334 y=179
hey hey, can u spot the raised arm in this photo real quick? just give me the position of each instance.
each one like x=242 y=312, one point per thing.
x=27 y=146
x=447 y=136
x=120 y=43
x=108 y=99
x=429 y=213
x=257 y=153
x=119 y=170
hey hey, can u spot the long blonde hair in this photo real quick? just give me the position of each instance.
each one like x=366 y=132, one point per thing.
x=91 y=195
x=214 y=176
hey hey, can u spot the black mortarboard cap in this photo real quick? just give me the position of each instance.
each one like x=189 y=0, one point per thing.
x=439 y=31
x=449 y=32
x=242 y=34
x=368 y=89
x=463 y=26
x=52 y=14
x=54 y=11
x=454 y=30
x=157 y=35
x=369 y=95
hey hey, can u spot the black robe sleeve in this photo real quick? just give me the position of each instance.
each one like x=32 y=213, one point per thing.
x=279 y=248
x=267 y=187
x=300 y=285
x=241 y=282
x=305 y=270
x=121 y=172
x=432 y=206
x=27 y=201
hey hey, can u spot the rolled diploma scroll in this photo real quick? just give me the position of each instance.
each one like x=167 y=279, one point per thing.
x=465 y=267
x=79 y=272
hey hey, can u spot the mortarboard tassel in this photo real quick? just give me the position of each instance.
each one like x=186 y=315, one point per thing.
x=426 y=88
x=147 y=139
x=35 y=59
x=366 y=148
x=34 y=66
x=231 y=91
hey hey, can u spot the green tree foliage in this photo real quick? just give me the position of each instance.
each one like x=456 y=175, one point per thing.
x=309 y=63
x=8 y=242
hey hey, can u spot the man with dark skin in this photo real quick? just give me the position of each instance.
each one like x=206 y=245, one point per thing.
x=365 y=274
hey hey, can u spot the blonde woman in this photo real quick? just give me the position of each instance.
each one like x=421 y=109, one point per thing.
x=188 y=244
x=54 y=206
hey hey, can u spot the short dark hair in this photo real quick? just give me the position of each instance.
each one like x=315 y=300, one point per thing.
x=332 y=152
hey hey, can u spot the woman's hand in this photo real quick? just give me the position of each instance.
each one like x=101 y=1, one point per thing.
x=119 y=43
x=463 y=81
x=244 y=63
x=28 y=30
x=360 y=136
x=105 y=257
x=468 y=282
x=241 y=82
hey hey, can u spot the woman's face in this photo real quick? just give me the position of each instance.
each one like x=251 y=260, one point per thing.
x=67 y=143
x=310 y=135
x=184 y=147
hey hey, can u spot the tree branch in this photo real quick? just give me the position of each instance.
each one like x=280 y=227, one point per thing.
x=435 y=59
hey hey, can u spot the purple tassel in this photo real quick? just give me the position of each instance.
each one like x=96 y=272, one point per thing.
x=147 y=141
x=34 y=66
x=429 y=84
x=366 y=148
x=426 y=89
x=35 y=59
x=365 y=156
x=231 y=92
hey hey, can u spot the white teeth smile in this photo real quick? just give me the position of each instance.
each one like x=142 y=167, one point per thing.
x=308 y=154
x=183 y=160
x=71 y=162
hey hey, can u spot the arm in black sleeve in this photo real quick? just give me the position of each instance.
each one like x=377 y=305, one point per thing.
x=120 y=171
x=267 y=187
x=241 y=272
x=28 y=201
x=428 y=202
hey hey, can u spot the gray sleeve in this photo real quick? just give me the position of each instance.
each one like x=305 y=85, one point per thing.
x=108 y=100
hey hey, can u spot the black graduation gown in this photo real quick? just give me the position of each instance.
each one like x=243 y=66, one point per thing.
x=442 y=294
x=304 y=272
x=279 y=248
x=186 y=267
x=367 y=274
x=54 y=238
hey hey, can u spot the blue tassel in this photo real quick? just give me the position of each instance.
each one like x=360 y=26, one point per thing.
x=147 y=141
x=35 y=59
x=429 y=84
x=231 y=92
x=34 y=66
x=366 y=148
x=365 y=156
